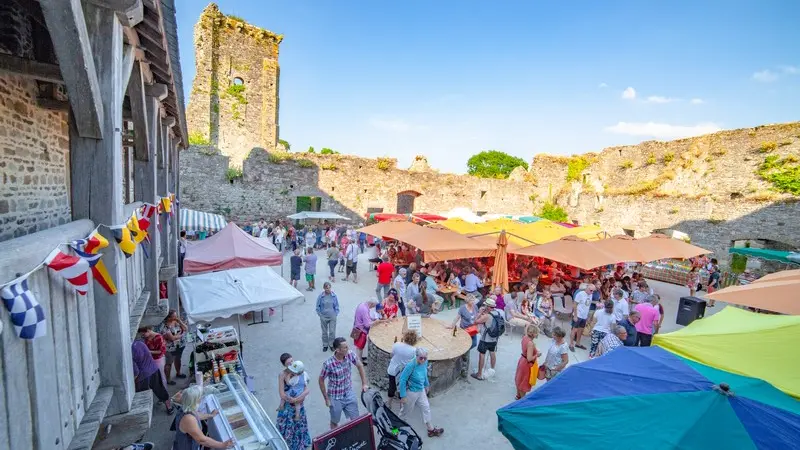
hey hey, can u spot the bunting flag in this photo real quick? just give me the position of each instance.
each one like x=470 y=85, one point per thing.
x=123 y=237
x=92 y=245
x=137 y=234
x=144 y=222
x=166 y=204
x=73 y=268
x=26 y=314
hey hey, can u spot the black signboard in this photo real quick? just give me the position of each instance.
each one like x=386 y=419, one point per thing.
x=354 y=435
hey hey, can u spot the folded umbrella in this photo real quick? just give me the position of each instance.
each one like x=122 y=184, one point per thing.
x=647 y=397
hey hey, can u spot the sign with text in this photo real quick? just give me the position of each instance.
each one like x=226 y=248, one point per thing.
x=414 y=322
x=354 y=435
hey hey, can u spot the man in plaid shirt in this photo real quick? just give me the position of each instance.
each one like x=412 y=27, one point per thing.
x=338 y=395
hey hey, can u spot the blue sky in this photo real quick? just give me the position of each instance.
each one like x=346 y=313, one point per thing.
x=449 y=79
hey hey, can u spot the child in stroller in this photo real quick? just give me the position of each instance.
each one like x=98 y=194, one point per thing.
x=395 y=433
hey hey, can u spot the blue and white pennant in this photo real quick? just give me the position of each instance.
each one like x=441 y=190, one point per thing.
x=27 y=315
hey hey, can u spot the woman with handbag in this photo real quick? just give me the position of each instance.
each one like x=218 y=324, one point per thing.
x=465 y=317
x=527 y=366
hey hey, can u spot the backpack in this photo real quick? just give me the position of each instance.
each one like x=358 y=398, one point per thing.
x=498 y=325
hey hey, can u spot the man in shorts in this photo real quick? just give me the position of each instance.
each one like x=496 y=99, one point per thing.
x=487 y=315
x=583 y=301
x=338 y=394
x=295 y=263
x=351 y=262
x=311 y=268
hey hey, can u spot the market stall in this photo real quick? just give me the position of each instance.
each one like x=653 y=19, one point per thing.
x=218 y=352
x=193 y=221
x=231 y=248
x=316 y=215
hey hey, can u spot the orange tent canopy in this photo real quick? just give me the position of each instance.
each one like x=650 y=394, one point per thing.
x=659 y=246
x=623 y=247
x=437 y=244
x=571 y=251
x=784 y=275
x=777 y=296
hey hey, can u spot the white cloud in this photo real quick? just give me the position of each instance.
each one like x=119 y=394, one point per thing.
x=765 y=76
x=602 y=85
x=660 y=99
x=697 y=101
x=394 y=125
x=790 y=70
x=629 y=94
x=662 y=130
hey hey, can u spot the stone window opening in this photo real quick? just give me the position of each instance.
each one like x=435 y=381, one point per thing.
x=333 y=188
x=483 y=194
x=237 y=81
x=291 y=186
x=365 y=191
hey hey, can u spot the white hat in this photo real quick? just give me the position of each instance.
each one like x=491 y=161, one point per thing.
x=297 y=367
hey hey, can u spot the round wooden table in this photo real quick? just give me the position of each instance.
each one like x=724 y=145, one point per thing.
x=448 y=355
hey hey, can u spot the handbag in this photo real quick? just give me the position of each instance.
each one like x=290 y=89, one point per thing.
x=355 y=333
x=472 y=330
x=542 y=373
x=534 y=374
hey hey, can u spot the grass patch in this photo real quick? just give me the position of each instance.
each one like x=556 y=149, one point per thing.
x=329 y=166
x=305 y=163
x=384 y=164
x=720 y=152
x=767 y=147
x=627 y=164
x=687 y=163
x=198 y=138
x=651 y=159
x=328 y=151
x=674 y=211
x=551 y=211
x=668 y=157
x=278 y=157
x=784 y=143
x=646 y=186
x=784 y=174
x=576 y=166
x=233 y=173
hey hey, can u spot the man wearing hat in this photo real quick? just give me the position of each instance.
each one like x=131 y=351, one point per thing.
x=488 y=319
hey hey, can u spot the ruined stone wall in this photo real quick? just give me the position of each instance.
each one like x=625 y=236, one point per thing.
x=234 y=100
x=348 y=185
x=34 y=161
x=708 y=187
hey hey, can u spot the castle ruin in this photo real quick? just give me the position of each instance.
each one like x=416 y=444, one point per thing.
x=234 y=100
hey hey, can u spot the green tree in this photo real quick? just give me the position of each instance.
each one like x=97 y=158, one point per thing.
x=493 y=164
x=551 y=211
x=328 y=151
x=285 y=144
x=311 y=149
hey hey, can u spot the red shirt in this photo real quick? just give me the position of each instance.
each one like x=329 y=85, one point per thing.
x=157 y=343
x=385 y=270
x=390 y=311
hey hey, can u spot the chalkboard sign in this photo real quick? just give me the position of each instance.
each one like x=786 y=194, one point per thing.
x=354 y=435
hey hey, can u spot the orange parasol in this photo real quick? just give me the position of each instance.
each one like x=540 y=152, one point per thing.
x=571 y=250
x=659 y=246
x=784 y=275
x=500 y=275
x=625 y=248
x=776 y=296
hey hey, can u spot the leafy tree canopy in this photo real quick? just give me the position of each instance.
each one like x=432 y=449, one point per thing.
x=493 y=164
x=311 y=149
x=285 y=144
x=551 y=211
x=328 y=151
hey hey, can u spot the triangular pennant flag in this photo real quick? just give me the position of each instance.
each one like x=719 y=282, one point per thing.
x=137 y=234
x=147 y=214
x=123 y=238
x=73 y=268
x=166 y=204
x=25 y=312
x=92 y=245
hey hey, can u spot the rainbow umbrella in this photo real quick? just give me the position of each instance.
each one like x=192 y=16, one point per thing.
x=650 y=398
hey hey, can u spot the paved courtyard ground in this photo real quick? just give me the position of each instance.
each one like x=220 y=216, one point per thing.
x=466 y=411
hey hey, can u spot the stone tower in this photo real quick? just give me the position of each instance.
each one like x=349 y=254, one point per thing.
x=234 y=100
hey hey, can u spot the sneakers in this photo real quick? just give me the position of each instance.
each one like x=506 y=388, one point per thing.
x=141 y=446
x=434 y=432
x=324 y=349
x=180 y=375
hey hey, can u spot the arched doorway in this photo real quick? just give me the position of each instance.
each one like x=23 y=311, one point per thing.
x=405 y=201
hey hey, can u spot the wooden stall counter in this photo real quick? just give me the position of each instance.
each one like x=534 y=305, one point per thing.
x=448 y=355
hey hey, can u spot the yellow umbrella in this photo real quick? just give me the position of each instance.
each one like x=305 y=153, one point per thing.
x=500 y=276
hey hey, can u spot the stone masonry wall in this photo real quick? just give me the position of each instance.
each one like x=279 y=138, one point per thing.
x=234 y=118
x=348 y=185
x=34 y=161
x=706 y=186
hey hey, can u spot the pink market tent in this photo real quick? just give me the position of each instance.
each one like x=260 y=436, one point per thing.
x=231 y=248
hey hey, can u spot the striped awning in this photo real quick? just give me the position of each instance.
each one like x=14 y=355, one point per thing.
x=192 y=220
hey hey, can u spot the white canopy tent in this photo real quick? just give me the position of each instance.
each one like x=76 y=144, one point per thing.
x=318 y=215
x=235 y=291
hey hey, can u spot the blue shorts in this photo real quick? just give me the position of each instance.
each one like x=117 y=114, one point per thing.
x=348 y=405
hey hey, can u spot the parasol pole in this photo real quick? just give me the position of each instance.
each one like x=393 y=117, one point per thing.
x=498 y=232
x=239 y=330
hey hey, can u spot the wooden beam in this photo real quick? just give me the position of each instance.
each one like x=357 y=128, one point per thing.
x=129 y=12
x=139 y=113
x=161 y=76
x=157 y=90
x=15 y=65
x=67 y=26
x=96 y=167
x=151 y=36
x=169 y=121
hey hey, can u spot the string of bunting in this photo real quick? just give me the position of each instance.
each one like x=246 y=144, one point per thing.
x=27 y=315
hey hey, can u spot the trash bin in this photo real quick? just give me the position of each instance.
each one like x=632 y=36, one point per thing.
x=690 y=309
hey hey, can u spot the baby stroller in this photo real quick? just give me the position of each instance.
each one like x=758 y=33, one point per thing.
x=395 y=433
